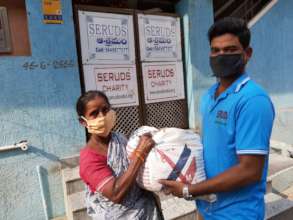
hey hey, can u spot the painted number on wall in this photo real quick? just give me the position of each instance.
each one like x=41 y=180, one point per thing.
x=43 y=65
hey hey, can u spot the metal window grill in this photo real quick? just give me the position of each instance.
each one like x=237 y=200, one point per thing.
x=167 y=114
x=127 y=120
x=159 y=115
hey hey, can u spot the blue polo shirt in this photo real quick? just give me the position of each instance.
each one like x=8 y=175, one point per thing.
x=237 y=122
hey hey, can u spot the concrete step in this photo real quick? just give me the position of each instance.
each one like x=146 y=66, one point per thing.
x=288 y=193
x=282 y=148
x=278 y=208
x=174 y=208
x=280 y=172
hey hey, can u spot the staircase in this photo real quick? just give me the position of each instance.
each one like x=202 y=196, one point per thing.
x=246 y=9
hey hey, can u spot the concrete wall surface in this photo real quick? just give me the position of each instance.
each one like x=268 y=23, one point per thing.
x=38 y=94
x=37 y=101
x=197 y=17
x=272 y=65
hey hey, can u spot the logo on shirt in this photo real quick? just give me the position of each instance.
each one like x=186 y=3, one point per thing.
x=221 y=117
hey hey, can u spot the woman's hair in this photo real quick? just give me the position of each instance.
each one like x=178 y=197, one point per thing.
x=86 y=98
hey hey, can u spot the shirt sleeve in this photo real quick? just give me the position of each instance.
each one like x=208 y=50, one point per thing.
x=95 y=172
x=254 y=126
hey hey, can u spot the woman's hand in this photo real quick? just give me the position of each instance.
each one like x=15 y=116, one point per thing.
x=116 y=189
x=146 y=143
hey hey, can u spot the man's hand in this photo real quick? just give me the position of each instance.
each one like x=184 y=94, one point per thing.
x=172 y=187
x=248 y=171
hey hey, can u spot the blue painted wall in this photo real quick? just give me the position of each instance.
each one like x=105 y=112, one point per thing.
x=197 y=17
x=38 y=105
x=272 y=64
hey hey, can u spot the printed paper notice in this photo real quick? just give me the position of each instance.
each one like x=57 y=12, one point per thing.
x=163 y=81
x=106 y=38
x=118 y=82
x=159 y=38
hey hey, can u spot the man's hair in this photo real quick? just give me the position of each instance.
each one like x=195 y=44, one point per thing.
x=86 y=98
x=231 y=25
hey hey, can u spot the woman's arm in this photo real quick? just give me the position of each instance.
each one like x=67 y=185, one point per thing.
x=117 y=188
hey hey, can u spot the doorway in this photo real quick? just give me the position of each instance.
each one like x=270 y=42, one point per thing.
x=140 y=66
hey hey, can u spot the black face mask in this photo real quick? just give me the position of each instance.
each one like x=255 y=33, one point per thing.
x=227 y=65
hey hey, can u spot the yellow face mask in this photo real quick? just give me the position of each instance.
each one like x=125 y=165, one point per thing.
x=102 y=124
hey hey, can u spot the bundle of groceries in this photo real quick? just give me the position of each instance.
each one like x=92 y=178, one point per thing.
x=177 y=155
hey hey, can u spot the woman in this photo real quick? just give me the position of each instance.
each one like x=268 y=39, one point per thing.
x=112 y=192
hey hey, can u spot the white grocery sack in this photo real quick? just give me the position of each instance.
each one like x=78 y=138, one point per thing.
x=177 y=155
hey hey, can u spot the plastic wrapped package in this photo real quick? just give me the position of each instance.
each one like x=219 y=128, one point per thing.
x=177 y=155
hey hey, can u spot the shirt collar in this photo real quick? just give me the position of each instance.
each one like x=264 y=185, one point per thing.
x=240 y=82
x=235 y=87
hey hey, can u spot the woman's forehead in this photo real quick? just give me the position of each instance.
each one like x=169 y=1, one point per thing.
x=96 y=102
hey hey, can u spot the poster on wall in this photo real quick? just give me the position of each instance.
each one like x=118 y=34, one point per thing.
x=52 y=12
x=118 y=82
x=5 y=41
x=159 y=38
x=106 y=38
x=163 y=81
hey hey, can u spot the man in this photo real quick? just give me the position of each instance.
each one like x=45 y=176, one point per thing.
x=237 y=119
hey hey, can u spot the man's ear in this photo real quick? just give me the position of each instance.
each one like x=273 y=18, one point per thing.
x=248 y=54
x=82 y=122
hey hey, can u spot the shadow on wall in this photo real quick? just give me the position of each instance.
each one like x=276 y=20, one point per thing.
x=35 y=151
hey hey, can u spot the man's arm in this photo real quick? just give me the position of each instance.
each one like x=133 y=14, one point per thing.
x=248 y=171
x=253 y=131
